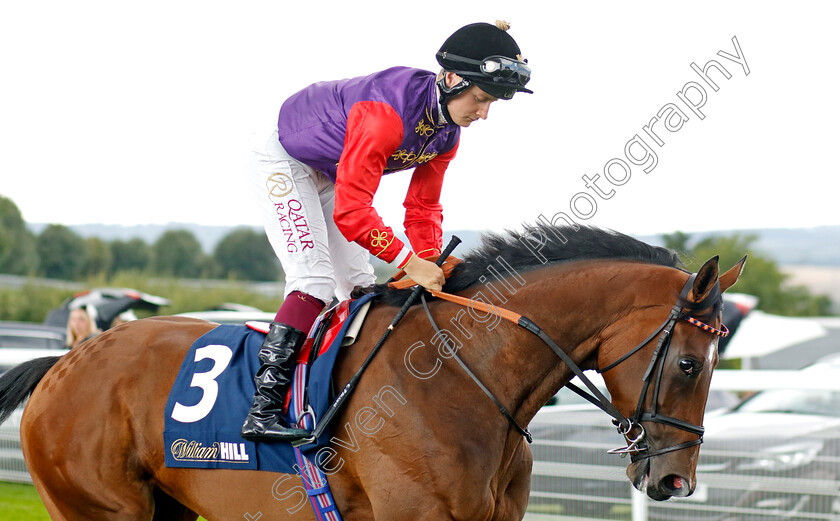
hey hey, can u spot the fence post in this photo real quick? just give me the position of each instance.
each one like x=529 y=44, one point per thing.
x=640 y=506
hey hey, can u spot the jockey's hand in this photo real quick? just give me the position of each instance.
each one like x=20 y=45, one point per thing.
x=425 y=273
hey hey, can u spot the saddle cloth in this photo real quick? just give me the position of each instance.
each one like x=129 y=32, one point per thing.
x=214 y=390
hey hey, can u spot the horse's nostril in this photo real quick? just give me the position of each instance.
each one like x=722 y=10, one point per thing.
x=675 y=486
x=677 y=483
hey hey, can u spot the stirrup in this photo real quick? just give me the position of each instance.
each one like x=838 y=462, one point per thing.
x=281 y=434
x=303 y=441
x=306 y=440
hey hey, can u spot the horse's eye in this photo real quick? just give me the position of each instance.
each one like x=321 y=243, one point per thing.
x=687 y=366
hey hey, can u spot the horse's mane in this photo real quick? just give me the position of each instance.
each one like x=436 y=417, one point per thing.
x=517 y=250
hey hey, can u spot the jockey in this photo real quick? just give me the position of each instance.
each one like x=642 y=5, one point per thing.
x=316 y=174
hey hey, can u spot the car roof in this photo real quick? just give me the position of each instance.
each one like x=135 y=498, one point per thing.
x=21 y=330
x=29 y=326
x=28 y=338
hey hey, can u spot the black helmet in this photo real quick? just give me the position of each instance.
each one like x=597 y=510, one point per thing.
x=486 y=55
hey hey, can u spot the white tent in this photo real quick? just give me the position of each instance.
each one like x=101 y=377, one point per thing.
x=761 y=334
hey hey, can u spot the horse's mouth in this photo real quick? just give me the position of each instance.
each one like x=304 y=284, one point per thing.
x=670 y=486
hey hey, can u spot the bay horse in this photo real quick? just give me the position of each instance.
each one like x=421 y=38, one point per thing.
x=418 y=439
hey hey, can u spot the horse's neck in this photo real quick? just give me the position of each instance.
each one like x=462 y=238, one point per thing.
x=572 y=309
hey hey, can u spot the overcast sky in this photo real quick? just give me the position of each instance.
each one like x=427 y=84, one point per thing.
x=140 y=112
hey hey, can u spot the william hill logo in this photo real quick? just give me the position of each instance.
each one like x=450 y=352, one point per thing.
x=220 y=451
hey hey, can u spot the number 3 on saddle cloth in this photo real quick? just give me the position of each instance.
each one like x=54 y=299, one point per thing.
x=214 y=390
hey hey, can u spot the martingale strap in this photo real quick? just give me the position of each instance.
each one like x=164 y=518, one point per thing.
x=488 y=392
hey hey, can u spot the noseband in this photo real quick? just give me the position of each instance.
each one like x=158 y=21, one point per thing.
x=636 y=445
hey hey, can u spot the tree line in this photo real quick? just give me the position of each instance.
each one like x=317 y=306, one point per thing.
x=60 y=253
x=243 y=254
x=762 y=275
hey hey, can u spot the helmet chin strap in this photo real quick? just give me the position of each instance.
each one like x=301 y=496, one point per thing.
x=446 y=93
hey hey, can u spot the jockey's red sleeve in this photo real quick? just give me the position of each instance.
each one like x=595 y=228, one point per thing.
x=423 y=211
x=374 y=132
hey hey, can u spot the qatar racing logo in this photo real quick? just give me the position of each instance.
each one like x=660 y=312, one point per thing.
x=290 y=216
x=279 y=185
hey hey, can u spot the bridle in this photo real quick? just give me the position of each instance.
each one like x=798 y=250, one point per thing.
x=636 y=446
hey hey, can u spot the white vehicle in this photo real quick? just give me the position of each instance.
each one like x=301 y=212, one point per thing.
x=22 y=341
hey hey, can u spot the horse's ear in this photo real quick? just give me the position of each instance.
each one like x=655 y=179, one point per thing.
x=705 y=280
x=731 y=277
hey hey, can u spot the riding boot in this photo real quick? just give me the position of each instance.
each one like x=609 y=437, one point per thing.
x=265 y=421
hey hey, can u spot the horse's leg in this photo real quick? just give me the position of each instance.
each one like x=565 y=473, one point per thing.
x=515 y=486
x=71 y=492
x=168 y=508
x=62 y=503
x=47 y=499
x=83 y=476
x=390 y=490
x=422 y=502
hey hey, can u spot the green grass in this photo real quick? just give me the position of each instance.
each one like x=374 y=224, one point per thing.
x=20 y=502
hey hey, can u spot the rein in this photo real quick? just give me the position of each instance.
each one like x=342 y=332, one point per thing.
x=635 y=446
x=521 y=430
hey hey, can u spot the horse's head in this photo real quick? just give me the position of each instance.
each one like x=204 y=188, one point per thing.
x=662 y=385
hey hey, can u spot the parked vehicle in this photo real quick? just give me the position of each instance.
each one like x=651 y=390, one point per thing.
x=29 y=335
x=22 y=341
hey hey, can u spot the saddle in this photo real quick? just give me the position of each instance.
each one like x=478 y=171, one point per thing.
x=214 y=389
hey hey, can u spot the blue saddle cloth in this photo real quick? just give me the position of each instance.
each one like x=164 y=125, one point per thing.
x=213 y=392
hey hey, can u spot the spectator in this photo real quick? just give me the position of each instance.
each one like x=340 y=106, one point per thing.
x=81 y=325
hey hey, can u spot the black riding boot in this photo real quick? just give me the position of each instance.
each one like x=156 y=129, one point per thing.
x=265 y=421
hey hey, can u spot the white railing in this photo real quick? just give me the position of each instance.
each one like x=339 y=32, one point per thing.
x=12 y=467
x=796 y=479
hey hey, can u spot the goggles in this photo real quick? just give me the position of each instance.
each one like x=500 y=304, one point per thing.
x=500 y=68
